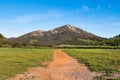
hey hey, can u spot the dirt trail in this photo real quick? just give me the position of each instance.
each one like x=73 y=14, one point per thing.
x=63 y=67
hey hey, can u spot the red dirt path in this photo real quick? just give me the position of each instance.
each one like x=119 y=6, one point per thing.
x=63 y=67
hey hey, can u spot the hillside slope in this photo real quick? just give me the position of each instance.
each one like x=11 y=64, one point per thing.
x=66 y=34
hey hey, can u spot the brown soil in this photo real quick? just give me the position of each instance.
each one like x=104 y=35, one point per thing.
x=63 y=67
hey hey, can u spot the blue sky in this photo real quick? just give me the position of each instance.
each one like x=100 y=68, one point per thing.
x=101 y=17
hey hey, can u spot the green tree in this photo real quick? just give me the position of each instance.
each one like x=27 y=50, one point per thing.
x=16 y=44
x=0 y=42
x=1 y=36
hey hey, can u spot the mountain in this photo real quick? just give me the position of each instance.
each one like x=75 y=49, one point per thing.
x=66 y=34
x=11 y=39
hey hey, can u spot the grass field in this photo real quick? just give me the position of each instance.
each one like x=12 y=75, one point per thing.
x=18 y=60
x=107 y=60
x=14 y=61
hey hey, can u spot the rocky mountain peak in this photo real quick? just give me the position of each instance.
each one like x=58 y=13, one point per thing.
x=69 y=27
x=66 y=28
x=39 y=31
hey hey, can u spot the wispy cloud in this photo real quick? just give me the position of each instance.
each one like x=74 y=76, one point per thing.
x=85 y=8
x=27 y=18
x=34 y=17
x=22 y=18
x=113 y=24
x=98 y=25
x=88 y=8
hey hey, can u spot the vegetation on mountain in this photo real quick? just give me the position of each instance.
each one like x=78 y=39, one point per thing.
x=115 y=41
x=64 y=35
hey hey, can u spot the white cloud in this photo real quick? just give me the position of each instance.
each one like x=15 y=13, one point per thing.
x=85 y=8
x=28 y=18
x=34 y=17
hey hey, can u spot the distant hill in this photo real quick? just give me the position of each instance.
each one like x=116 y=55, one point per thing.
x=66 y=34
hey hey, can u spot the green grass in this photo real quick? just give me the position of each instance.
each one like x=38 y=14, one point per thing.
x=107 y=60
x=17 y=60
